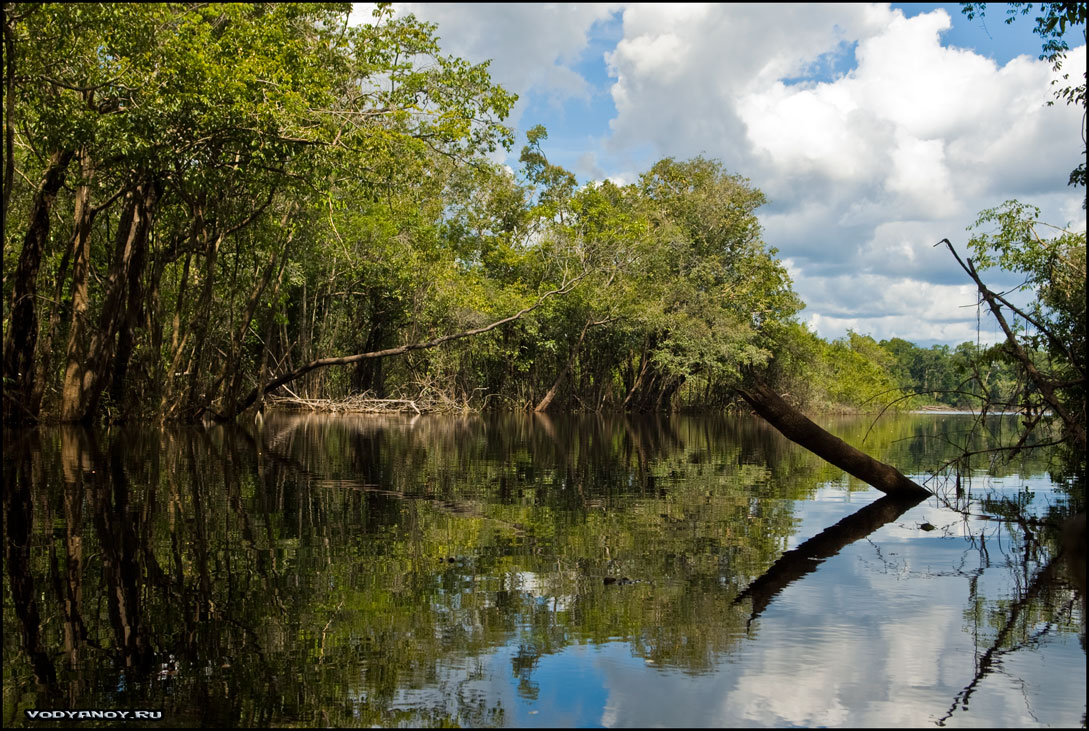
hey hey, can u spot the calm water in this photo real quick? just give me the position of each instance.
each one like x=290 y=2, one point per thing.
x=524 y=571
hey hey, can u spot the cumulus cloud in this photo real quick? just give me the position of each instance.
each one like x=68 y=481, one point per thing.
x=888 y=306
x=532 y=46
x=690 y=101
x=871 y=138
x=866 y=170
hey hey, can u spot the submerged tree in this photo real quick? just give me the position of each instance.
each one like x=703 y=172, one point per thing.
x=198 y=151
x=1044 y=343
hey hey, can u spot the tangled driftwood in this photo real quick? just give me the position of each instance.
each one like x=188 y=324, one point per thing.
x=365 y=403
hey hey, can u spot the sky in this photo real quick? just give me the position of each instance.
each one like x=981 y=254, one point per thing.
x=874 y=130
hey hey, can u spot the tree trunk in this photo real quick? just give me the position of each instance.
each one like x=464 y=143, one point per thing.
x=133 y=308
x=22 y=332
x=178 y=339
x=544 y=403
x=9 y=110
x=201 y=314
x=81 y=263
x=796 y=427
x=267 y=345
x=232 y=368
x=43 y=367
x=367 y=374
x=637 y=382
x=122 y=295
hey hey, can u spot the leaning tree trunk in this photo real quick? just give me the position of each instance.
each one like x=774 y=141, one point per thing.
x=546 y=401
x=796 y=427
x=22 y=332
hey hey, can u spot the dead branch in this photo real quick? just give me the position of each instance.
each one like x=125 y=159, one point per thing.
x=399 y=350
x=1044 y=385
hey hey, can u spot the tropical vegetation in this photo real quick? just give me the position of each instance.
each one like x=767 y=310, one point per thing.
x=207 y=204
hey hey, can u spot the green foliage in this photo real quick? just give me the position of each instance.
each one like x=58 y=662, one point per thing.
x=326 y=190
x=676 y=283
x=304 y=165
x=854 y=373
x=1054 y=272
x=1046 y=349
x=1053 y=266
x=936 y=374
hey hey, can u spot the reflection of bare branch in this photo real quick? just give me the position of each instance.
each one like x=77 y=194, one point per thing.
x=796 y=563
x=989 y=661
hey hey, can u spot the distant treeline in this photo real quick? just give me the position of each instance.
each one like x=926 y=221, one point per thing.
x=857 y=372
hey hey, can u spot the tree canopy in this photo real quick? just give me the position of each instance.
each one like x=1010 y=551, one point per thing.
x=211 y=203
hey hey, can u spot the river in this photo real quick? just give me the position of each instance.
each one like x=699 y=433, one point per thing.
x=520 y=570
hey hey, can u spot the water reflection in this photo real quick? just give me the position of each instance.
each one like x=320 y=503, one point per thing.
x=517 y=570
x=797 y=562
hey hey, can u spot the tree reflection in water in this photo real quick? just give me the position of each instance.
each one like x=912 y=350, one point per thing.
x=357 y=571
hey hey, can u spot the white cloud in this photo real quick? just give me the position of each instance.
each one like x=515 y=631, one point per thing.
x=532 y=46
x=921 y=178
x=865 y=170
x=838 y=140
x=887 y=306
x=689 y=102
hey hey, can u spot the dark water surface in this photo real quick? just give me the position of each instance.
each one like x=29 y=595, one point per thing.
x=525 y=571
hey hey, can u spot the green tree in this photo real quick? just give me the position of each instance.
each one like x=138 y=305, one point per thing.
x=208 y=147
x=713 y=297
x=1045 y=340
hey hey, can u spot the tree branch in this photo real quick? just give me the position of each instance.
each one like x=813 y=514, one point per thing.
x=250 y=218
x=1043 y=328
x=1045 y=386
x=399 y=350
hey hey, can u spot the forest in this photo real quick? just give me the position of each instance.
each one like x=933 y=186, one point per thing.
x=207 y=204
x=222 y=217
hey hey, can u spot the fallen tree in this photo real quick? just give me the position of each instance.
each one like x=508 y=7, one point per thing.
x=799 y=429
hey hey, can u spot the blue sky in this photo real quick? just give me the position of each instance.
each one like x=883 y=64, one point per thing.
x=875 y=130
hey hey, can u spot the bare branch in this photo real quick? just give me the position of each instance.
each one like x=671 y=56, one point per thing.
x=250 y=218
x=399 y=350
x=1044 y=385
